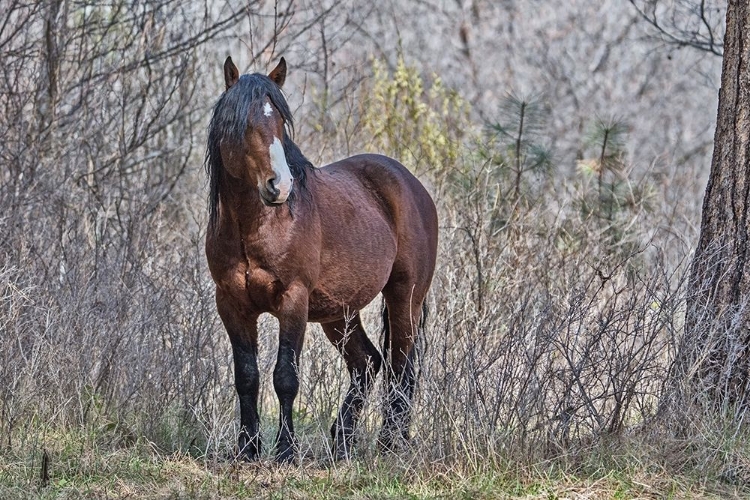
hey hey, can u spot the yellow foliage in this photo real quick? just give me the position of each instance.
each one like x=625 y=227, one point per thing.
x=422 y=129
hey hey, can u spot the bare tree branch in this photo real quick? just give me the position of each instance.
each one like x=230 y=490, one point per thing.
x=686 y=23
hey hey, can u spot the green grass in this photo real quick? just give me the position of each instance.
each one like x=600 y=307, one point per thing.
x=100 y=465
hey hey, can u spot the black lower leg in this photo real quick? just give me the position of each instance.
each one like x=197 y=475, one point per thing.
x=246 y=382
x=397 y=417
x=363 y=362
x=286 y=384
x=343 y=429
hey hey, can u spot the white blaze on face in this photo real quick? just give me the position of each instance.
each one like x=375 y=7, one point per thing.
x=283 y=181
x=267 y=110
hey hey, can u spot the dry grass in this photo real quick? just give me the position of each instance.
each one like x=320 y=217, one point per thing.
x=88 y=466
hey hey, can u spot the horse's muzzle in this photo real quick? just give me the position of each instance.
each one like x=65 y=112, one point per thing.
x=273 y=197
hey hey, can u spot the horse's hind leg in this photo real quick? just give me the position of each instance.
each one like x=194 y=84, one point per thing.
x=363 y=362
x=401 y=320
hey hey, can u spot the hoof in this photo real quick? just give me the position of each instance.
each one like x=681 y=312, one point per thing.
x=286 y=454
x=248 y=449
x=246 y=456
x=393 y=441
x=342 y=451
x=343 y=444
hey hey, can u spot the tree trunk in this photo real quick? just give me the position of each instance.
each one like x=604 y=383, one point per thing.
x=717 y=329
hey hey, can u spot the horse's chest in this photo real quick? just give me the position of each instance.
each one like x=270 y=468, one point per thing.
x=251 y=287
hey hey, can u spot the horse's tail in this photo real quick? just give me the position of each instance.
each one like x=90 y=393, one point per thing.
x=386 y=326
x=420 y=343
x=423 y=317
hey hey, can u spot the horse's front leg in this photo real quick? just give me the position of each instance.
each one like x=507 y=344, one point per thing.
x=292 y=317
x=243 y=334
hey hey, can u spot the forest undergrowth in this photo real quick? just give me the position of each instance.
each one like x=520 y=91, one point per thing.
x=548 y=368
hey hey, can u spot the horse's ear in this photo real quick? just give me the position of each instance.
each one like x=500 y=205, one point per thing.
x=231 y=73
x=278 y=74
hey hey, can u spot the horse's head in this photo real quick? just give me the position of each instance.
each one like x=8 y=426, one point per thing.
x=258 y=156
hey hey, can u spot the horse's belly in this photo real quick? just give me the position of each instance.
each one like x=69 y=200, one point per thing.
x=331 y=300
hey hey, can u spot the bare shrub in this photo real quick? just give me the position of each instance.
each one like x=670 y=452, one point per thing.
x=558 y=305
x=107 y=310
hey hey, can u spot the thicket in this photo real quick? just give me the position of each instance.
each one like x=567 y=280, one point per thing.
x=557 y=307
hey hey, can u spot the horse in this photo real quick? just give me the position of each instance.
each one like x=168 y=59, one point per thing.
x=310 y=244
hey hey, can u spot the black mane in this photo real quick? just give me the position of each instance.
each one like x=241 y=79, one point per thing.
x=229 y=122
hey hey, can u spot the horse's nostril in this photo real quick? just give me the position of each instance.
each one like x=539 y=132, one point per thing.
x=273 y=190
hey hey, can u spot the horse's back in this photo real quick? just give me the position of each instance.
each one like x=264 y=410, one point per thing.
x=385 y=177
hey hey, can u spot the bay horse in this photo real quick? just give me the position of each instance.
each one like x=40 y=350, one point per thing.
x=312 y=244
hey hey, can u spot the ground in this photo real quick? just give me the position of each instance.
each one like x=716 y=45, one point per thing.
x=81 y=468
